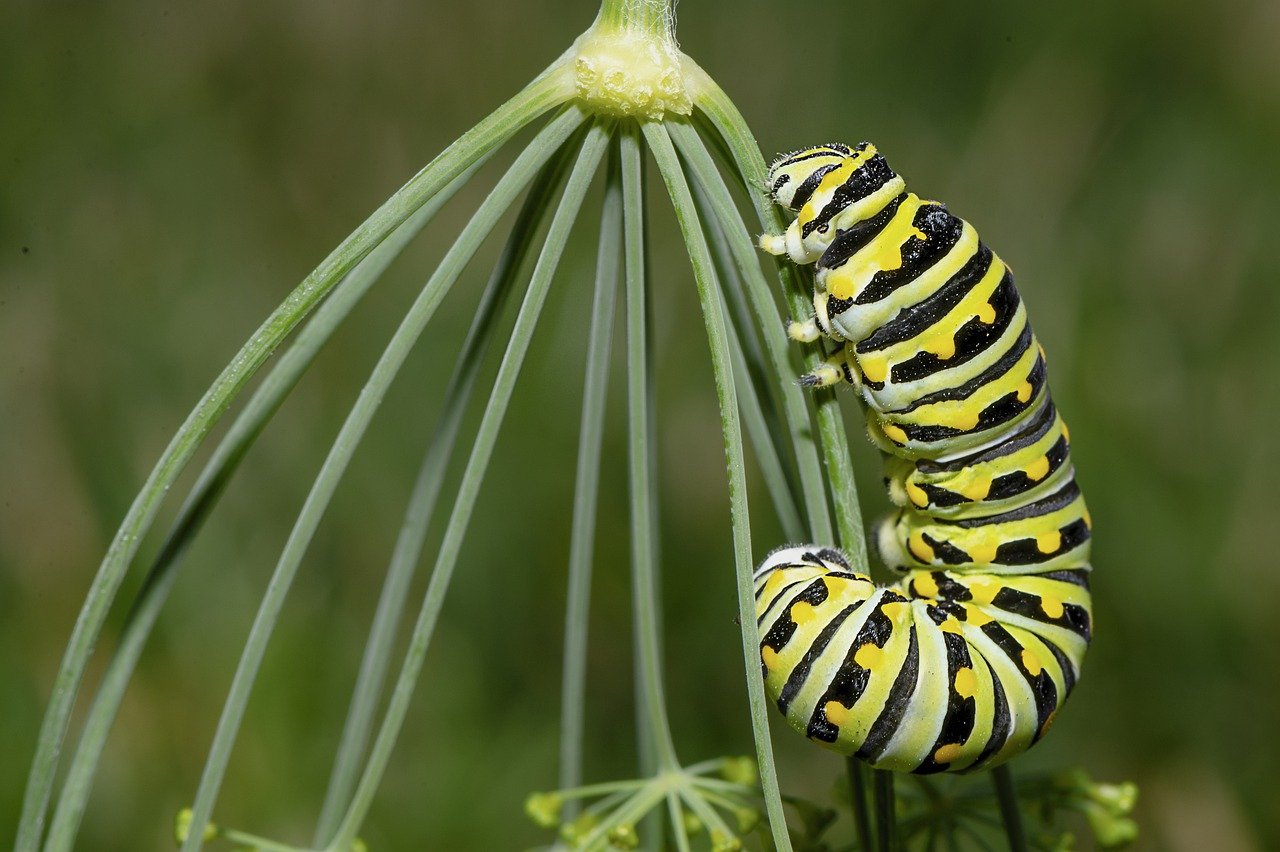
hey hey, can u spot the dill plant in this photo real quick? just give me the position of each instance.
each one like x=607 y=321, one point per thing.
x=622 y=90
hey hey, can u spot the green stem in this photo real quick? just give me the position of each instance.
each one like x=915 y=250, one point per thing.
x=587 y=486
x=885 y=819
x=204 y=496
x=713 y=316
x=421 y=507
x=733 y=130
x=1008 y=798
x=473 y=476
x=655 y=18
x=344 y=446
x=644 y=582
x=857 y=771
x=747 y=261
x=549 y=89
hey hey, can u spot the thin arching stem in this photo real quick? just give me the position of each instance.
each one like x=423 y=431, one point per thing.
x=421 y=507
x=587 y=485
x=713 y=316
x=472 y=477
x=723 y=115
x=857 y=772
x=747 y=262
x=549 y=89
x=643 y=562
x=353 y=429
x=213 y=479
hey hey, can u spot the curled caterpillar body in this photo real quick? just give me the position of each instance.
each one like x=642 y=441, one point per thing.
x=964 y=663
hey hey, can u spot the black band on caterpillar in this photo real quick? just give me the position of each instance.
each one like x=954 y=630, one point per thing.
x=964 y=663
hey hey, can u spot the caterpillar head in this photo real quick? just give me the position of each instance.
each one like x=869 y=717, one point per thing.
x=793 y=177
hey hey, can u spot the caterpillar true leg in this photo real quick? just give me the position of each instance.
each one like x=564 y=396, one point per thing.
x=966 y=661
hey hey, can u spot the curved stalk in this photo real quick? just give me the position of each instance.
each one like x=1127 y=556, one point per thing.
x=643 y=562
x=473 y=476
x=421 y=507
x=213 y=479
x=344 y=446
x=723 y=115
x=549 y=89
x=704 y=275
x=587 y=486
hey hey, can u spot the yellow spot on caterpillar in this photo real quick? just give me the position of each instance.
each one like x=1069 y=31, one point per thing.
x=802 y=612
x=776 y=579
x=977 y=617
x=947 y=753
x=1049 y=542
x=1031 y=662
x=1088 y=519
x=1044 y=356
x=893 y=432
x=925 y=585
x=1038 y=469
x=836 y=713
x=982 y=552
x=869 y=656
x=917 y=494
x=952 y=625
x=839 y=283
x=977 y=488
x=1066 y=433
x=919 y=547
x=769 y=657
x=897 y=611
x=1052 y=606
x=987 y=314
x=874 y=368
x=940 y=342
x=966 y=683
x=983 y=589
x=1024 y=391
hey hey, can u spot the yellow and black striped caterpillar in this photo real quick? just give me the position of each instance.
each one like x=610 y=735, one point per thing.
x=964 y=663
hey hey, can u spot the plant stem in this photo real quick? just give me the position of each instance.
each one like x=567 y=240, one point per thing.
x=204 y=496
x=645 y=593
x=421 y=507
x=1008 y=798
x=885 y=818
x=473 y=476
x=857 y=772
x=713 y=316
x=551 y=88
x=728 y=122
x=344 y=446
x=587 y=487
x=655 y=18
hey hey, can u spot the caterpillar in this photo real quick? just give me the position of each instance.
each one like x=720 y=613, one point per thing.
x=964 y=663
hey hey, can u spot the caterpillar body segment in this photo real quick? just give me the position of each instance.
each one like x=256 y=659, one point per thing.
x=965 y=662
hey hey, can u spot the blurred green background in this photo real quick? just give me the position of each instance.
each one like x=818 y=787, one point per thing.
x=169 y=171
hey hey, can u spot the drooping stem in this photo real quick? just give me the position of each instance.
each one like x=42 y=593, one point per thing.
x=587 y=487
x=643 y=561
x=549 y=89
x=421 y=507
x=340 y=454
x=204 y=495
x=469 y=488
x=713 y=316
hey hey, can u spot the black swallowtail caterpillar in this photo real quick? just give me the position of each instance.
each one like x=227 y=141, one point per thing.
x=963 y=664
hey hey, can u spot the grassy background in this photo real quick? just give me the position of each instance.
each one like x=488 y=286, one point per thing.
x=168 y=171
